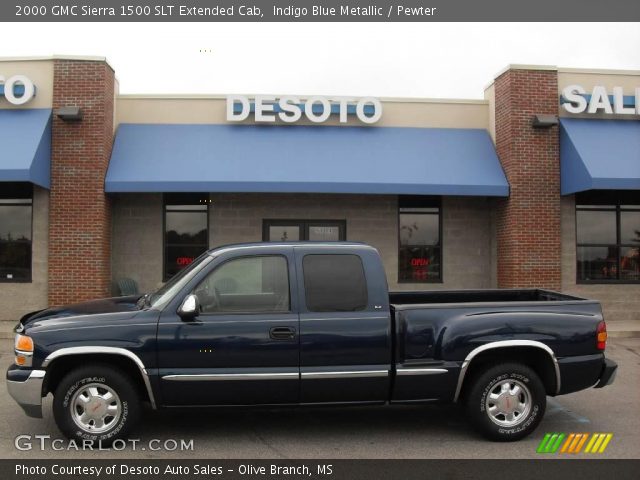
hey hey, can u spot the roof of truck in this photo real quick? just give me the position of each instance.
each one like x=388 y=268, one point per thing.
x=306 y=244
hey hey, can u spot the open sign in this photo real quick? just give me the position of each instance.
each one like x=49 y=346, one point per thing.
x=184 y=261
x=419 y=262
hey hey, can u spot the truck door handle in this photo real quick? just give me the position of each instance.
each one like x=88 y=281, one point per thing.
x=282 y=333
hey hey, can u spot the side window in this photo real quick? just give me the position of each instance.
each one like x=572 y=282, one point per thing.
x=334 y=283
x=245 y=285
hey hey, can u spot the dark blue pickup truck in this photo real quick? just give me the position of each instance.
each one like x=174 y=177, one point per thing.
x=306 y=324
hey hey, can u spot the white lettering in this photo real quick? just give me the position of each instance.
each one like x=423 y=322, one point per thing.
x=344 y=106
x=599 y=101
x=245 y=111
x=576 y=103
x=9 y=93
x=264 y=109
x=618 y=103
x=377 y=110
x=291 y=111
x=326 y=109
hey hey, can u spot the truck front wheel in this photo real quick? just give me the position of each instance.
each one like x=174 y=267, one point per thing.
x=506 y=402
x=96 y=403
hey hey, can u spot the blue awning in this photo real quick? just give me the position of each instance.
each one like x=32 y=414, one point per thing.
x=599 y=154
x=252 y=158
x=25 y=146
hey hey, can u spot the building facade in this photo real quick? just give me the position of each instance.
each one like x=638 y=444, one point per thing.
x=537 y=185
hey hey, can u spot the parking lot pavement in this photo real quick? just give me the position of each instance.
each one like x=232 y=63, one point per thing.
x=367 y=432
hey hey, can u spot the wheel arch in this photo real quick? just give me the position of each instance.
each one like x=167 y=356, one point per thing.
x=61 y=361
x=537 y=355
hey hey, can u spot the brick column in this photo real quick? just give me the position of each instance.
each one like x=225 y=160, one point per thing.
x=528 y=222
x=79 y=216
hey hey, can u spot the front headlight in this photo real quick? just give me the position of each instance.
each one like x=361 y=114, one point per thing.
x=24 y=350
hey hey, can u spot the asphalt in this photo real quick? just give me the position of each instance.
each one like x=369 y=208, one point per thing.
x=363 y=432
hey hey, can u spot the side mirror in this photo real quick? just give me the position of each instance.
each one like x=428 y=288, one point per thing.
x=190 y=307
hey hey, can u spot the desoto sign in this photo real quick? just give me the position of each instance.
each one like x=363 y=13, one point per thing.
x=17 y=89
x=575 y=99
x=290 y=109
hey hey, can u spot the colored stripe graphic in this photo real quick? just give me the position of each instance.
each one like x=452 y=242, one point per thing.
x=574 y=442
x=598 y=443
x=550 y=443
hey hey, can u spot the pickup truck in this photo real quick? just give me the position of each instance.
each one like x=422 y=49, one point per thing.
x=306 y=324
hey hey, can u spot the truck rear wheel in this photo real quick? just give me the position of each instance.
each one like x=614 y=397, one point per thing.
x=96 y=403
x=506 y=402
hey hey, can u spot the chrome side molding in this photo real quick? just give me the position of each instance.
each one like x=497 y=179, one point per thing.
x=403 y=371
x=502 y=344
x=345 y=374
x=107 y=350
x=206 y=377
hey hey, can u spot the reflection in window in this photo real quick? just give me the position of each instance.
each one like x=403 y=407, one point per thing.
x=247 y=284
x=15 y=232
x=608 y=236
x=186 y=221
x=284 y=233
x=303 y=230
x=420 y=252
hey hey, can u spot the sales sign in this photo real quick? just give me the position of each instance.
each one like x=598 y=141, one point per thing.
x=576 y=99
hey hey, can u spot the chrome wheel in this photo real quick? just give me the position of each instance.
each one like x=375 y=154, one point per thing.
x=95 y=408
x=508 y=403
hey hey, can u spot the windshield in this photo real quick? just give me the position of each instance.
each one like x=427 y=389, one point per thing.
x=164 y=294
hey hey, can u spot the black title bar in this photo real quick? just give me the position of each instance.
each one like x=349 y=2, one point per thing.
x=102 y=469
x=320 y=11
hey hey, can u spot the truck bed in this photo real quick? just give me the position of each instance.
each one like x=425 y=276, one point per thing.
x=399 y=299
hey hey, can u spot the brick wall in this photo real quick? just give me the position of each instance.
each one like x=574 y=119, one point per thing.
x=528 y=222
x=79 y=215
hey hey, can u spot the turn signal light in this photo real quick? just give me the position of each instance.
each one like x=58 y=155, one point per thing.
x=601 y=336
x=24 y=343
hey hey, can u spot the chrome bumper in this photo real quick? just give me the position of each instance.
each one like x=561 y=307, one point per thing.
x=28 y=393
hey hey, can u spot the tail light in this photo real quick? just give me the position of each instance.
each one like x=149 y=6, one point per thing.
x=601 y=336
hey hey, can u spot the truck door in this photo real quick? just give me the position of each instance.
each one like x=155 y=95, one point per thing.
x=345 y=335
x=242 y=349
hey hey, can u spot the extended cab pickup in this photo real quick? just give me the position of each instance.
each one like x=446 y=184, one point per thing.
x=306 y=324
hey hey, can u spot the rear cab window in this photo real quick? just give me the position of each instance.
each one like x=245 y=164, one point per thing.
x=334 y=283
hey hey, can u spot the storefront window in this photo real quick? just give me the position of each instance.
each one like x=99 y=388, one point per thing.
x=420 y=246
x=608 y=237
x=186 y=230
x=301 y=230
x=16 y=207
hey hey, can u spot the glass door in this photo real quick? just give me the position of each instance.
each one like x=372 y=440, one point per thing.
x=304 y=230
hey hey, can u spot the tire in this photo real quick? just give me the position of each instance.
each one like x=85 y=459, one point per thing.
x=506 y=415
x=107 y=391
